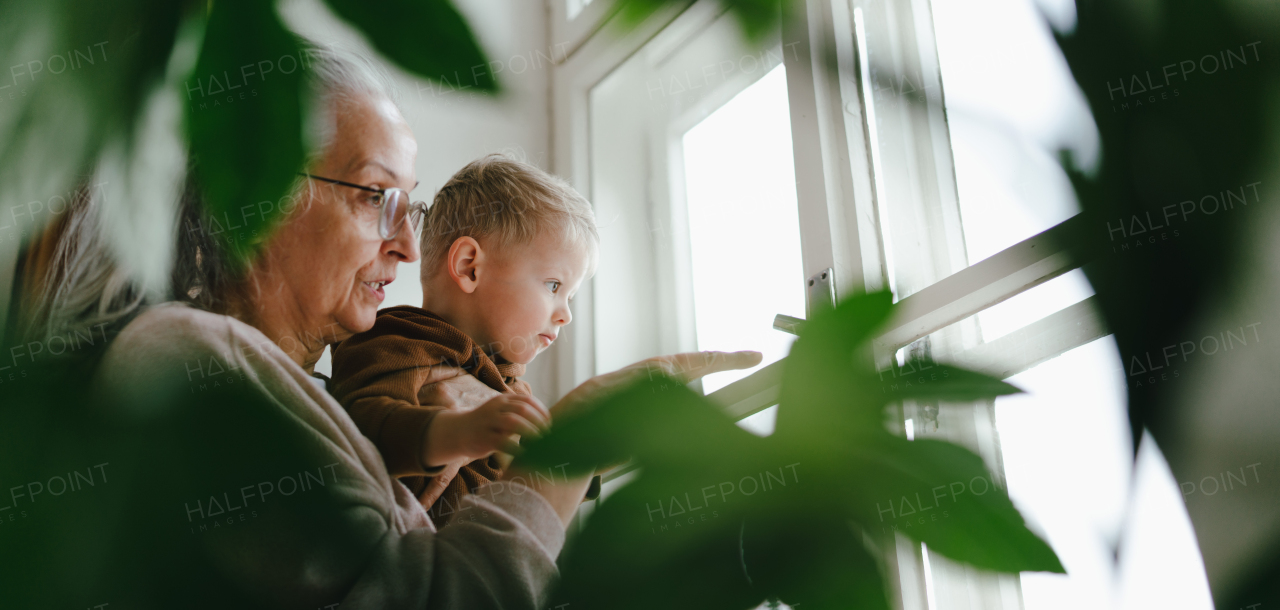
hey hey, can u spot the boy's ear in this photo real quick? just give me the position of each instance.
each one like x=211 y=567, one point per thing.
x=463 y=263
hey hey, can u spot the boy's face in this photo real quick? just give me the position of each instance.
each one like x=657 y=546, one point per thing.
x=524 y=293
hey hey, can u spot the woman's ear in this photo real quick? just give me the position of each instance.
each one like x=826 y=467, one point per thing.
x=463 y=263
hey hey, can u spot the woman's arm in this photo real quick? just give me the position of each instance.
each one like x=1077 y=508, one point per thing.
x=565 y=496
x=684 y=367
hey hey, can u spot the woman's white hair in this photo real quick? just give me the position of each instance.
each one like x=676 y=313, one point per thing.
x=84 y=287
x=339 y=76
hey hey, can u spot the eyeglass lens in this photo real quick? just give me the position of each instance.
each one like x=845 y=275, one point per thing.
x=393 y=212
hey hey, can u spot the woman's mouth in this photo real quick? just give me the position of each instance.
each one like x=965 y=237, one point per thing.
x=375 y=288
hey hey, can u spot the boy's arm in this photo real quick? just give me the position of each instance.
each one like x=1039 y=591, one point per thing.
x=397 y=411
x=377 y=379
x=399 y=430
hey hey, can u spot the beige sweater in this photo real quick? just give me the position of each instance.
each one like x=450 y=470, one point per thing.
x=374 y=545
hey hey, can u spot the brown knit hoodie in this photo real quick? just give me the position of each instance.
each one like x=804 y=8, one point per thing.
x=396 y=377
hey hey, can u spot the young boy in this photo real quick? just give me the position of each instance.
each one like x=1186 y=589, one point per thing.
x=504 y=248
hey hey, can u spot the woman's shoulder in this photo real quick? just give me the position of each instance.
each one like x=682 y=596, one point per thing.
x=175 y=344
x=176 y=328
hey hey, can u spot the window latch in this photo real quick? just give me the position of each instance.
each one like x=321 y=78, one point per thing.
x=787 y=324
x=821 y=296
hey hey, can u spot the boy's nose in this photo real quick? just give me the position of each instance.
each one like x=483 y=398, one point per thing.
x=563 y=316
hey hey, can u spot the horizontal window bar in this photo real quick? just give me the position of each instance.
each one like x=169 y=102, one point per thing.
x=1005 y=274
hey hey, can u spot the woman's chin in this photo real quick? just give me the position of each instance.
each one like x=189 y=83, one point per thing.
x=356 y=321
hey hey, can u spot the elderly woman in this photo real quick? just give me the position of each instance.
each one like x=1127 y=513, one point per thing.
x=260 y=491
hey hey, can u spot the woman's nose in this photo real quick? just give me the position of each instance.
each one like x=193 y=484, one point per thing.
x=404 y=245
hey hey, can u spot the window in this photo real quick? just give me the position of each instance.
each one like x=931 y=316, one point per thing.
x=915 y=166
x=966 y=190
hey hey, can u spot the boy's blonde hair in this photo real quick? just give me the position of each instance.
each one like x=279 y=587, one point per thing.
x=508 y=201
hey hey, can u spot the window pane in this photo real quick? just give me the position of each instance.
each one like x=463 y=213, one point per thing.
x=1067 y=459
x=762 y=423
x=1011 y=105
x=744 y=229
x=1050 y=297
x=573 y=7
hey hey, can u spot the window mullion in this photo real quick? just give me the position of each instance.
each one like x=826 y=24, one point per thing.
x=827 y=185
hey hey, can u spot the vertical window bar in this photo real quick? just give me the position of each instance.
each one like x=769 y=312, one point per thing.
x=873 y=137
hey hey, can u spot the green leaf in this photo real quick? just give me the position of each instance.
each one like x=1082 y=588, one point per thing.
x=941 y=494
x=925 y=381
x=244 y=119
x=821 y=394
x=813 y=561
x=78 y=76
x=656 y=543
x=426 y=37
x=757 y=18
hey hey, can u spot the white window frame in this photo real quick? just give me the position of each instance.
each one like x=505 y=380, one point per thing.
x=574 y=31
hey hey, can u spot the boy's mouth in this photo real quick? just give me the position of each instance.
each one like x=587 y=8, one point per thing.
x=546 y=339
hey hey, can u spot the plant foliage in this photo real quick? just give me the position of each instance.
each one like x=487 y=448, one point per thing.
x=718 y=517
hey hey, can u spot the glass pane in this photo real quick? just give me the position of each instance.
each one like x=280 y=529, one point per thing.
x=1050 y=297
x=1011 y=104
x=573 y=7
x=762 y=423
x=1067 y=459
x=744 y=227
x=1160 y=565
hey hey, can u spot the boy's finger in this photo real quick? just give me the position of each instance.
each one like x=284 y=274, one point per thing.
x=510 y=447
x=537 y=404
x=515 y=423
x=531 y=409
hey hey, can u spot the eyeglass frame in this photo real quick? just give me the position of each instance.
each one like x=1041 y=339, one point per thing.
x=413 y=206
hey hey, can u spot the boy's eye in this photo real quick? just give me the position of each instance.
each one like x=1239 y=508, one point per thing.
x=553 y=285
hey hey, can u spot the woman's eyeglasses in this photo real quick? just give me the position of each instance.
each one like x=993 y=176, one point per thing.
x=393 y=208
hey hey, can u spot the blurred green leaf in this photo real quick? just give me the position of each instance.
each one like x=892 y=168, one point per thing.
x=138 y=37
x=941 y=494
x=929 y=381
x=821 y=388
x=756 y=17
x=636 y=540
x=813 y=561
x=658 y=421
x=244 y=120
x=427 y=37
x=77 y=77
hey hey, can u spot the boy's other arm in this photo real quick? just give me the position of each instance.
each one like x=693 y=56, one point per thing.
x=385 y=406
x=478 y=433
x=398 y=430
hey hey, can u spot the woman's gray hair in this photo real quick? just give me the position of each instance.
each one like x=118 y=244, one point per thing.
x=82 y=285
x=204 y=274
x=75 y=287
x=337 y=77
